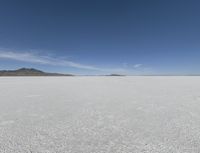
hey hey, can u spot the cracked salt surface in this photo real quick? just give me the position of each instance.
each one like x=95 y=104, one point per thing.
x=33 y=96
x=100 y=114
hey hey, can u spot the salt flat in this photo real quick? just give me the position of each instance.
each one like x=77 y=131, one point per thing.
x=100 y=114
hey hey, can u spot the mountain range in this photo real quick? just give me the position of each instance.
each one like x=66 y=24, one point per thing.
x=29 y=72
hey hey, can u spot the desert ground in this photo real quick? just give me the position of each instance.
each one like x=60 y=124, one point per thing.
x=149 y=114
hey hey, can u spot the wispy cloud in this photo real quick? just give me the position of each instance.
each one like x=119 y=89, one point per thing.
x=30 y=57
x=46 y=60
x=137 y=65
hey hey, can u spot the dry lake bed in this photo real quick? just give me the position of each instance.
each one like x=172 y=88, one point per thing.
x=100 y=114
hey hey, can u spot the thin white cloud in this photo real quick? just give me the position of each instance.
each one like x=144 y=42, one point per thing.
x=137 y=65
x=50 y=60
x=46 y=60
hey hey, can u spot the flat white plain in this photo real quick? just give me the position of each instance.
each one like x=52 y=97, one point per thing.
x=100 y=114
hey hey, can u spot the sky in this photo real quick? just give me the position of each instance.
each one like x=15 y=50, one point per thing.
x=91 y=37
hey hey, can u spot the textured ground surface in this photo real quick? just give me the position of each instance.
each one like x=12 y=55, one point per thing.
x=100 y=115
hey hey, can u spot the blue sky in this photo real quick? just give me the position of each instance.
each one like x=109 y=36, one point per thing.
x=101 y=36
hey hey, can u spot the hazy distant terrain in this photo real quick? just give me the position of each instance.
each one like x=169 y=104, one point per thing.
x=100 y=114
x=29 y=72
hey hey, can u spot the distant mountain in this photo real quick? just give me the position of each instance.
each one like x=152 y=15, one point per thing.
x=116 y=75
x=29 y=72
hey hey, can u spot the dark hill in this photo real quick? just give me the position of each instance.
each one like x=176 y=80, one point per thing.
x=29 y=72
x=116 y=75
